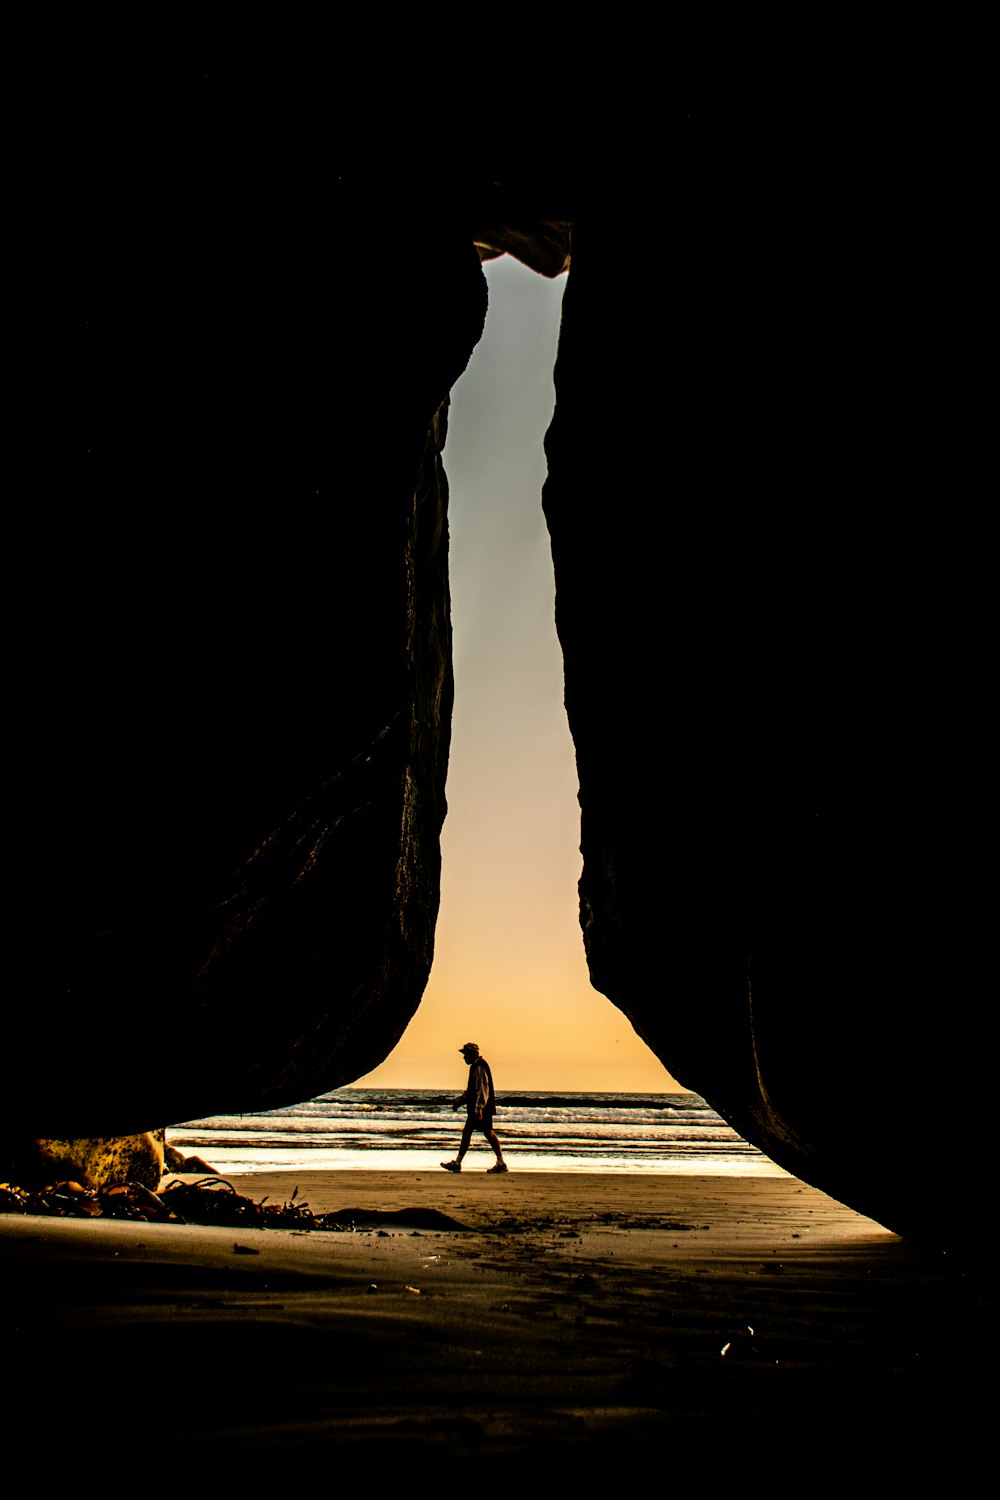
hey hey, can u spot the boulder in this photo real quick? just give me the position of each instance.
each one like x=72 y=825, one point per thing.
x=95 y=1163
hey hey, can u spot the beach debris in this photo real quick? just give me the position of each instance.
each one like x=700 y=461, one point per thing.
x=414 y=1289
x=176 y=1161
x=244 y=1250
x=135 y=1199
x=211 y=1200
x=741 y=1345
x=403 y=1218
x=70 y=1200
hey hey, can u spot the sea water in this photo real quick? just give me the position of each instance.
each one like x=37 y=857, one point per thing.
x=415 y=1129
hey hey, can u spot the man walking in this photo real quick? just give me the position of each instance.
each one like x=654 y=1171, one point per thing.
x=480 y=1103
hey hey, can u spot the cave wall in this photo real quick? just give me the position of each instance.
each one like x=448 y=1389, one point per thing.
x=235 y=688
x=237 y=332
x=771 y=611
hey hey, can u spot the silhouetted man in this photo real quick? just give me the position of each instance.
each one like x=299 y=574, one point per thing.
x=480 y=1102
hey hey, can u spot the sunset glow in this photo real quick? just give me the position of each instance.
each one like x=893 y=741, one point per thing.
x=509 y=970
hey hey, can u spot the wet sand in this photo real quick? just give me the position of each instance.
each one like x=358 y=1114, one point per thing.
x=717 y=1326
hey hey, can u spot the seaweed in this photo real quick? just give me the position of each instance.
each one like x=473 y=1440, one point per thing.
x=213 y=1200
x=210 y=1201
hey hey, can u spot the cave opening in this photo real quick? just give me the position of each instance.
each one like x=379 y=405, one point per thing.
x=509 y=968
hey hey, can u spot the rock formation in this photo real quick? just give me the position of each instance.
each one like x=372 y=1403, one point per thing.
x=771 y=617
x=95 y=1163
x=236 y=685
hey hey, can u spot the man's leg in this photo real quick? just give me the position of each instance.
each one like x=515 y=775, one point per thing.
x=491 y=1136
x=456 y=1165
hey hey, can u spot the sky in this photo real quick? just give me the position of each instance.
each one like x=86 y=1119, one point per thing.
x=509 y=968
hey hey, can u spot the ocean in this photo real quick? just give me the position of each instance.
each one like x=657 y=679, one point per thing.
x=363 y=1129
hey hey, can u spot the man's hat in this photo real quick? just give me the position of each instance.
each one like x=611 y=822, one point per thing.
x=469 y=1047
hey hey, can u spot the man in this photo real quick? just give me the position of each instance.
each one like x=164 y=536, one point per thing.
x=480 y=1102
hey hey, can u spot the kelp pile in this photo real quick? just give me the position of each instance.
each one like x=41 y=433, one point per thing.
x=212 y=1200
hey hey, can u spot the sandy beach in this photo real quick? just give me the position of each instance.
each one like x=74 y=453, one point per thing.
x=716 y=1325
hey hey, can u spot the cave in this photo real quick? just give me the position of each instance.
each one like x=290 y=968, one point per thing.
x=234 y=683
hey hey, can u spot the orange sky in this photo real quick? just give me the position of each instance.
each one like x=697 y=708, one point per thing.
x=509 y=969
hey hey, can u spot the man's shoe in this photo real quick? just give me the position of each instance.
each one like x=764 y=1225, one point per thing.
x=454 y=1166
x=501 y=1166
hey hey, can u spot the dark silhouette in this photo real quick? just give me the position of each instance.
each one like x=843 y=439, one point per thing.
x=772 y=597
x=480 y=1101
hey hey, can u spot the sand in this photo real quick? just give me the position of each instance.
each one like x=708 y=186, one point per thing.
x=720 y=1328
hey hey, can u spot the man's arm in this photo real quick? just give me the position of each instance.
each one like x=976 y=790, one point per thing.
x=482 y=1091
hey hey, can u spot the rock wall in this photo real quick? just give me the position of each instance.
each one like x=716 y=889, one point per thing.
x=235 y=683
x=237 y=333
x=770 y=606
